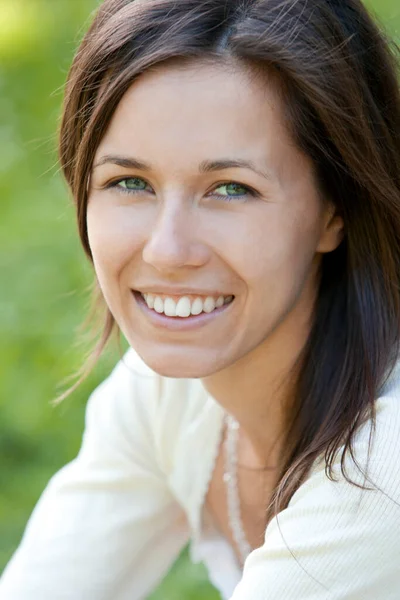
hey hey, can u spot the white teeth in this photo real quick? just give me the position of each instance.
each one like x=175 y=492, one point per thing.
x=209 y=304
x=158 y=305
x=184 y=307
x=219 y=302
x=150 y=300
x=197 y=306
x=170 y=307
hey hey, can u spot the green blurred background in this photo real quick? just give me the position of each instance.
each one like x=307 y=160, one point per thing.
x=44 y=276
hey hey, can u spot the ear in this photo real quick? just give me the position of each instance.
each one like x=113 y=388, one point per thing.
x=332 y=230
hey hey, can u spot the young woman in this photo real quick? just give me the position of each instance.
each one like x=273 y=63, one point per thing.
x=236 y=171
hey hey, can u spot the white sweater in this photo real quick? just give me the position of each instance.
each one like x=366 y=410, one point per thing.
x=110 y=523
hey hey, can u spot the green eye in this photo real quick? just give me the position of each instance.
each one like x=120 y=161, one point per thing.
x=234 y=191
x=132 y=183
x=129 y=185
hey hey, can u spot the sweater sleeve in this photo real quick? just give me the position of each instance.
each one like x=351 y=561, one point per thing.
x=334 y=540
x=106 y=526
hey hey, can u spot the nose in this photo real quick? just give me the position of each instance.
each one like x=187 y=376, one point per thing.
x=173 y=241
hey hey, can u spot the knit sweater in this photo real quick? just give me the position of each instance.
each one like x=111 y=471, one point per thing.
x=110 y=524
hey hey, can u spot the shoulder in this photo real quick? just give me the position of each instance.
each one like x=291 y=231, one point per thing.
x=375 y=460
x=334 y=537
x=175 y=414
x=172 y=424
x=374 y=463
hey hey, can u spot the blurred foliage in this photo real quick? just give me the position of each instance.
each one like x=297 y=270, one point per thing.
x=44 y=274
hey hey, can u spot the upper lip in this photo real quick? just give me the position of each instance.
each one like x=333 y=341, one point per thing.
x=178 y=291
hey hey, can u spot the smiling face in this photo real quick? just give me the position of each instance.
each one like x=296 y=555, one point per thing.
x=171 y=215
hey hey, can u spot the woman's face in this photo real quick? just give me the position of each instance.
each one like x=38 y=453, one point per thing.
x=198 y=191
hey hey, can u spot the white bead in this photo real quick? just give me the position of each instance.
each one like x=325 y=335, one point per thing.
x=233 y=499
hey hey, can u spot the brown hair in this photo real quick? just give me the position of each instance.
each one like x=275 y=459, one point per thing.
x=339 y=77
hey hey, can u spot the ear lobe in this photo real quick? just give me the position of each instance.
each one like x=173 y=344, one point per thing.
x=333 y=232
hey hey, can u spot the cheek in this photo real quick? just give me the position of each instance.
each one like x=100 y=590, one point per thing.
x=114 y=240
x=279 y=251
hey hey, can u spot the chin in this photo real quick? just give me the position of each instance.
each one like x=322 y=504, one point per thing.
x=175 y=373
x=181 y=371
x=178 y=367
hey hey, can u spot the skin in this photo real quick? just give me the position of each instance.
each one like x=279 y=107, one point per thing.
x=187 y=228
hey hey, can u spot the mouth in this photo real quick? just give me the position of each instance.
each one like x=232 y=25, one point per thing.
x=180 y=314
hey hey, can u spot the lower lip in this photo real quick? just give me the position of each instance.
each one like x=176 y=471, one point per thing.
x=179 y=323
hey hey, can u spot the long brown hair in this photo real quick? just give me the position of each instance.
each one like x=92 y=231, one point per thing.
x=338 y=76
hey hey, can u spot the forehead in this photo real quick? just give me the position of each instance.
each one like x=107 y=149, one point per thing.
x=196 y=101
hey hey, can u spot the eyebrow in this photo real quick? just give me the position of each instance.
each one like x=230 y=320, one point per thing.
x=206 y=166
